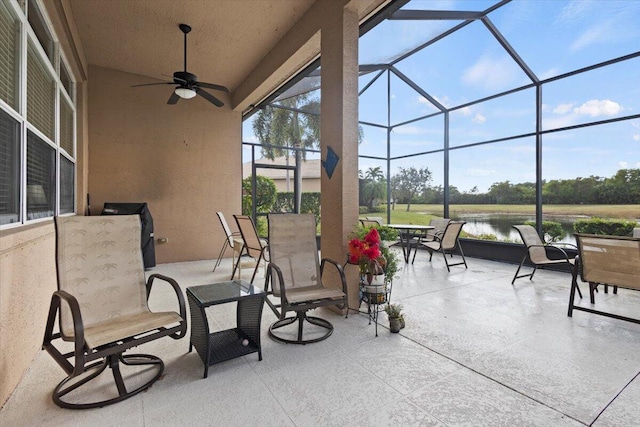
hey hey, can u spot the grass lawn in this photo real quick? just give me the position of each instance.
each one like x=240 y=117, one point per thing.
x=422 y=214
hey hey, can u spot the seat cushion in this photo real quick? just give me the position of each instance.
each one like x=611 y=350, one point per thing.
x=128 y=326
x=312 y=293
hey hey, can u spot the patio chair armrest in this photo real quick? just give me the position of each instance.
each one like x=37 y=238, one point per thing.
x=556 y=248
x=269 y=277
x=78 y=332
x=560 y=244
x=338 y=267
x=181 y=303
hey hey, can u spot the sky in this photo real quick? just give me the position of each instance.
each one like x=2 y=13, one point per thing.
x=552 y=37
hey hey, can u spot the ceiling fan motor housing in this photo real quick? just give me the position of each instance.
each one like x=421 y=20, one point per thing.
x=184 y=78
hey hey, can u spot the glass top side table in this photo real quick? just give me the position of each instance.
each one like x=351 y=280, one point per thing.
x=223 y=345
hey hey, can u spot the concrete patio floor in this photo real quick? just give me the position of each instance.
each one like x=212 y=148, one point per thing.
x=476 y=351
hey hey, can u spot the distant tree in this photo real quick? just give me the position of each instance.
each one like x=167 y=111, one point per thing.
x=288 y=126
x=409 y=182
x=373 y=186
x=266 y=194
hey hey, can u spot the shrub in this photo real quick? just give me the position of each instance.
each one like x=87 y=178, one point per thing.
x=552 y=230
x=377 y=209
x=611 y=227
x=363 y=210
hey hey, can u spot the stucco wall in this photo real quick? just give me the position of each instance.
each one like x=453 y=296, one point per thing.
x=27 y=280
x=184 y=160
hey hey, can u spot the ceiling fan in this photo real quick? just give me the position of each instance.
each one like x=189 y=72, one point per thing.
x=188 y=85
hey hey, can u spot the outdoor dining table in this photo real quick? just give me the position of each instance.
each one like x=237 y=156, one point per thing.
x=406 y=233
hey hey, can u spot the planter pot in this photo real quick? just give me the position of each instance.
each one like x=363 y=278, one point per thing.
x=376 y=294
x=395 y=325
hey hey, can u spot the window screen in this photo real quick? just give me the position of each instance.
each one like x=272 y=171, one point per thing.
x=65 y=78
x=66 y=126
x=67 y=186
x=9 y=31
x=40 y=95
x=41 y=189
x=40 y=28
x=9 y=169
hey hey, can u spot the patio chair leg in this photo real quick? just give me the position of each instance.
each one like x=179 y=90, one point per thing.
x=219 y=260
x=515 y=276
x=535 y=267
x=444 y=255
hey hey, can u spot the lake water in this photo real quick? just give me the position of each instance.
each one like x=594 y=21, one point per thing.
x=502 y=225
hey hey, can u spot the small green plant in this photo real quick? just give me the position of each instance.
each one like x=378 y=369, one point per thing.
x=394 y=311
x=487 y=236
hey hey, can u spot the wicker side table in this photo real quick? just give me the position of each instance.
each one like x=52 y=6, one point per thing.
x=230 y=343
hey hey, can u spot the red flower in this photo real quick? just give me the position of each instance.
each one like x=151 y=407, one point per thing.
x=372 y=237
x=372 y=252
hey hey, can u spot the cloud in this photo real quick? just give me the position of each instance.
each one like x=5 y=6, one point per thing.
x=595 y=108
x=568 y=115
x=604 y=32
x=636 y=137
x=623 y=165
x=490 y=73
x=479 y=118
x=562 y=108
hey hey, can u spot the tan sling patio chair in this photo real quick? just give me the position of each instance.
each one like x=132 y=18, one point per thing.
x=614 y=260
x=368 y=223
x=252 y=245
x=439 y=224
x=295 y=278
x=446 y=243
x=230 y=242
x=102 y=311
x=377 y=219
x=536 y=250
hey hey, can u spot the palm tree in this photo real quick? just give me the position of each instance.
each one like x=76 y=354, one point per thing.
x=373 y=186
x=280 y=127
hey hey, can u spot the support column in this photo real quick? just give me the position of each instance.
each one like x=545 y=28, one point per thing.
x=339 y=130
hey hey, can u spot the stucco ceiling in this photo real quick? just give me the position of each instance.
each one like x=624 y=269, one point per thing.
x=227 y=41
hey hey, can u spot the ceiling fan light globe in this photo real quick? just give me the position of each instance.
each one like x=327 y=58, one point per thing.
x=185 y=93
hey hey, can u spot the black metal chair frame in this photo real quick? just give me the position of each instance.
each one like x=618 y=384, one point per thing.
x=565 y=258
x=108 y=355
x=301 y=309
x=248 y=248
x=578 y=271
x=439 y=238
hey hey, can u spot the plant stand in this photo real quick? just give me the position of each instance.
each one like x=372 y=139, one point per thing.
x=375 y=296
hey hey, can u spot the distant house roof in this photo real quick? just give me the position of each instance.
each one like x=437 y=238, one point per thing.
x=310 y=168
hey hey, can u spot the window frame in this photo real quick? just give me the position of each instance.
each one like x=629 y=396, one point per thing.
x=18 y=9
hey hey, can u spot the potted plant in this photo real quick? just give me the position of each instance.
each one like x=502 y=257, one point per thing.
x=396 y=317
x=368 y=250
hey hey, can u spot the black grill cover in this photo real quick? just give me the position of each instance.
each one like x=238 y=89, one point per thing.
x=148 y=245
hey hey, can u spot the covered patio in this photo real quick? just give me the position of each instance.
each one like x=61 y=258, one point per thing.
x=476 y=351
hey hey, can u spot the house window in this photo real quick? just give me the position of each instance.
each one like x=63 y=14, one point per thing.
x=41 y=188
x=39 y=27
x=9 y=43
x=41 y=95
x=67 y=185
x=37 y=118
x=9 y=169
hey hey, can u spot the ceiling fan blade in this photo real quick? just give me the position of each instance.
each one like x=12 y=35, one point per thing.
x=212 y=99
x=154 y=84
x=214 y=86
x=173 y=99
